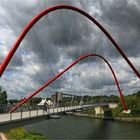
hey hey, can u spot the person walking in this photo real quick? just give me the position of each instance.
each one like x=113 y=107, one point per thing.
x=45 y=107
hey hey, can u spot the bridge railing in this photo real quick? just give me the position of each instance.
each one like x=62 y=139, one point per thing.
x=4 y=108
x=36 y=111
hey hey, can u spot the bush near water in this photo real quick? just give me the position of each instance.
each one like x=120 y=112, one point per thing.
x=21 y=133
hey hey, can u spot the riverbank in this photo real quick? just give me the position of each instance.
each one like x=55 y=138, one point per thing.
x=21 y=133
x=137 y=120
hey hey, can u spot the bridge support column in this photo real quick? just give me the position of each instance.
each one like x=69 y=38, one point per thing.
x=57 y=109
x=37 y=111
x=10 y=116
x=29 y=113
x=21 y=113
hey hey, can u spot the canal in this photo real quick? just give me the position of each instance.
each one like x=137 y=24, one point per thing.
x=73 y=127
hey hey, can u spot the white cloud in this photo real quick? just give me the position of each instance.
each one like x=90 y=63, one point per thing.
x=45 y=50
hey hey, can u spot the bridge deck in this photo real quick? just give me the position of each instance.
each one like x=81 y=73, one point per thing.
x=17 y=116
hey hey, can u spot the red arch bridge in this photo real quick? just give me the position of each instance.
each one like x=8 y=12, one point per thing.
x=38 y=17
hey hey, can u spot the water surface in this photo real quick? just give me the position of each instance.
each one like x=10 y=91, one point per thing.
x=73 y=127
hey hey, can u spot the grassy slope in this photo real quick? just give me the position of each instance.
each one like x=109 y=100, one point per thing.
x=20 y=133
x=132 y=103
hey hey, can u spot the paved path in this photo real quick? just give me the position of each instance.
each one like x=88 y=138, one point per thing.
x=2 y=136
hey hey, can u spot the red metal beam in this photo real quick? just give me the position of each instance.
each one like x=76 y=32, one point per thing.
x=66 y=69
x=51 y=9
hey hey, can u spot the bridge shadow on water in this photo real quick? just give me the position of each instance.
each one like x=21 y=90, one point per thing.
x=103 y=128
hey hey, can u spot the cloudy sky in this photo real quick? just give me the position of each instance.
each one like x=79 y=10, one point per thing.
x=61 y=37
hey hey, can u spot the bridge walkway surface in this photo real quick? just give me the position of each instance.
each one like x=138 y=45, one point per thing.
x=23 y=115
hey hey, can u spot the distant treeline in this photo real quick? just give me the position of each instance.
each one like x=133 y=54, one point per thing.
x=132 y=101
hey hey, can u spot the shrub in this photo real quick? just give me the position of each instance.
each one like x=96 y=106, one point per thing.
x=17 y=133
x=22 y=134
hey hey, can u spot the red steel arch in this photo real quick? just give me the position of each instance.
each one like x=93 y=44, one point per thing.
x=65 y=70
x=51 y=9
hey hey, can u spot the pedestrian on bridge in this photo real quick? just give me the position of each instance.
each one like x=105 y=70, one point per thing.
x=45 y=106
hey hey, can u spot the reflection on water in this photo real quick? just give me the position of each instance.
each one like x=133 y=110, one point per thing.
x=72 y=127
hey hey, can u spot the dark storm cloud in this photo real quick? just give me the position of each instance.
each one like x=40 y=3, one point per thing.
x=120 y=17
x=124 y=19
x=12 y=19
x=66 y=33
x=125 y=24
x=57 y=32
x=102 y=79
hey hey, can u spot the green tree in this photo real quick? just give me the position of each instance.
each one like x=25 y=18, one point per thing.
x=3 y=100
x=3 y=96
